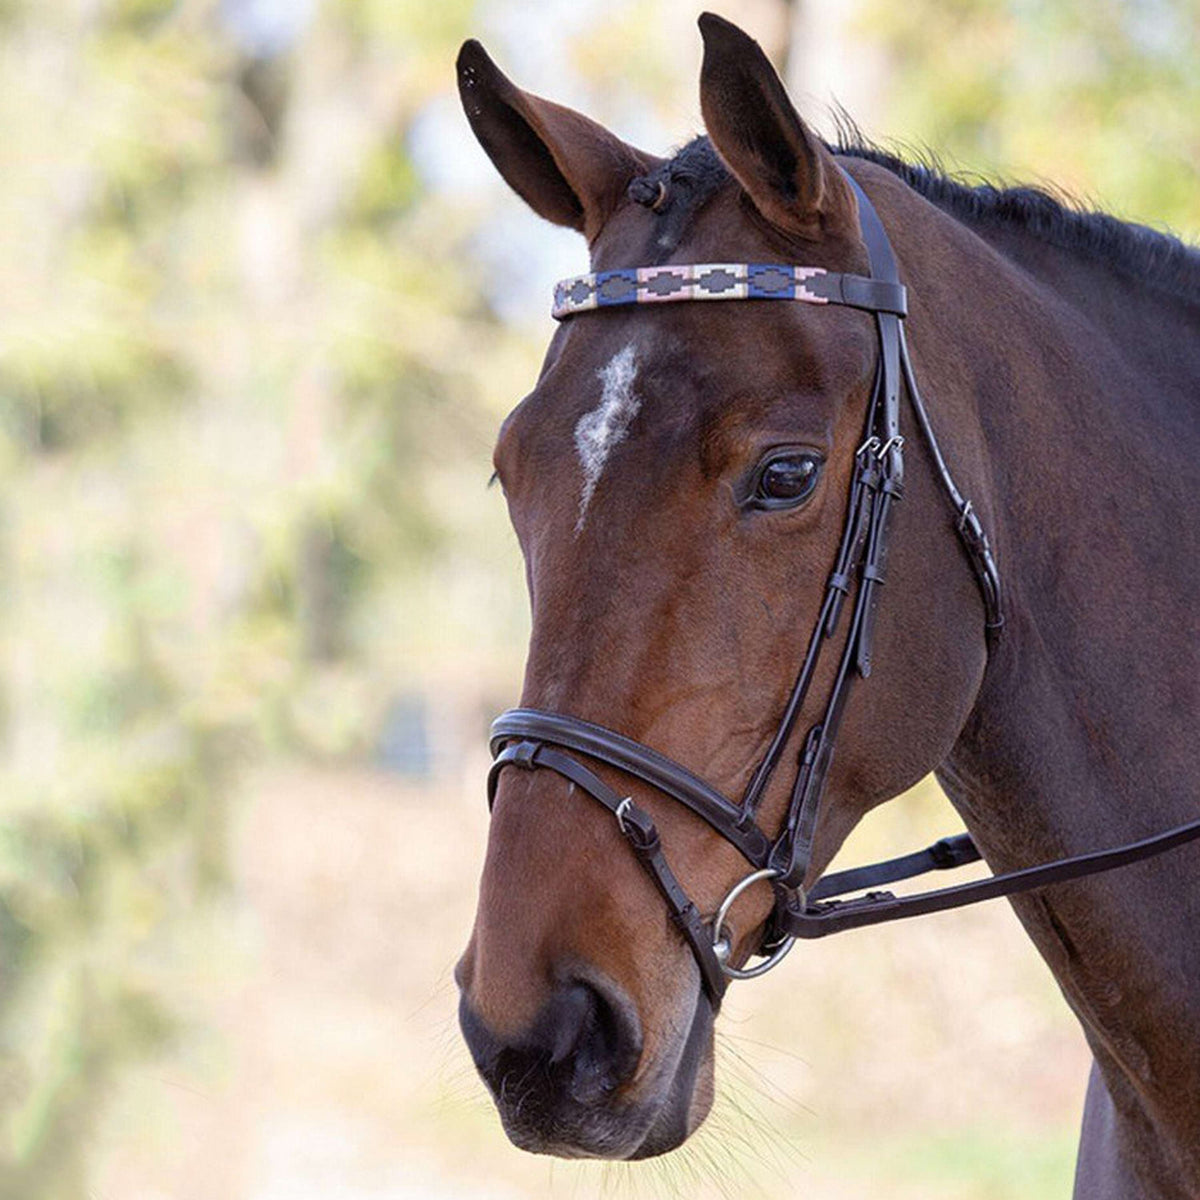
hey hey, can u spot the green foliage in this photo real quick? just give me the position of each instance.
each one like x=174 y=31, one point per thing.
x=113 y=377
x=224 y=382
x=1099 y=98
x=992 y=1164
x=387 y=187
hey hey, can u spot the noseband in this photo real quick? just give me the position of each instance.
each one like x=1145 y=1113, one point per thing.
x=528 y=738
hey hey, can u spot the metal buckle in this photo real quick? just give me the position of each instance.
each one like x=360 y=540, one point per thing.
x=620 y=812
x=723 y=947
x=895 y=440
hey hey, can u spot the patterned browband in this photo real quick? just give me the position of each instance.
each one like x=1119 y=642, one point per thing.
x=725 y=281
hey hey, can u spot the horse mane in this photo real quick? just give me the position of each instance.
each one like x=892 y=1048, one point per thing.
x=1153 y=258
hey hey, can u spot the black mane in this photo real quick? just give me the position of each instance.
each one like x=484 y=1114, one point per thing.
x=1153 y=258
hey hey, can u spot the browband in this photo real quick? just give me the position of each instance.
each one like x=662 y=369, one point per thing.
x=725 y=281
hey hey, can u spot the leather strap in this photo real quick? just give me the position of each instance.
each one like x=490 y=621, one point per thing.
x=967 y=524
x=675 y=282
x=816 y=920
x=944 y=855
x=873 y=295
x=878 y=481
x=643 y=763
x=641 y=834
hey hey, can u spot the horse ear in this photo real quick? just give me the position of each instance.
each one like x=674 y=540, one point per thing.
x=784 y=167
x=564 y=166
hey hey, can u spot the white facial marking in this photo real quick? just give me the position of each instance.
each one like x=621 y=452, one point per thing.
x=599 y=431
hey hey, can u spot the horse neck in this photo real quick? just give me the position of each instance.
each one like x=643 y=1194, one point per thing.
x=1088 y=402
x=1084 y=397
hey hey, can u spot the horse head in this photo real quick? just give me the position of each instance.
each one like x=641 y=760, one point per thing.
x=679 y=480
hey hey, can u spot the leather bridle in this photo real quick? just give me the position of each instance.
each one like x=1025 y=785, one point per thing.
x=530 y=739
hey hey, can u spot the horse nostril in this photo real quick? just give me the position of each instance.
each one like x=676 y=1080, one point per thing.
x=597 y=1035
x=585 y=1043
x=572 y=1020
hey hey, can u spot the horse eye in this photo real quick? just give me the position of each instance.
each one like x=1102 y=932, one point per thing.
x=787 y=479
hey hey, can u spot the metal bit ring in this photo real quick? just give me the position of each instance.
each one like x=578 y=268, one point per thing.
x=723 y=947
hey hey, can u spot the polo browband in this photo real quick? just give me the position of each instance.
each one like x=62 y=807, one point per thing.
x=529 y=738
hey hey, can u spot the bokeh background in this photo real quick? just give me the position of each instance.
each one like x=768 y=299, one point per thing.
x=258 y=603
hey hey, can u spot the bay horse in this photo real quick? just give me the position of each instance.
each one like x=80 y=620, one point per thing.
x=693 y=493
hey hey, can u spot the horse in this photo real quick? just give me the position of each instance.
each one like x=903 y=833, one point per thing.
x=684 y=481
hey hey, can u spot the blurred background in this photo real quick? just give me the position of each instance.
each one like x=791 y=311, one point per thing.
x=259 y=605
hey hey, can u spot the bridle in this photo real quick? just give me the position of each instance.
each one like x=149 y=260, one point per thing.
x=529 y=738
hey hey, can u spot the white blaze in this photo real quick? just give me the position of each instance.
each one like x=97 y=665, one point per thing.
x=598 y=431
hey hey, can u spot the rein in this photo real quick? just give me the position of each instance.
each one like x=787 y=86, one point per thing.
x=528 y=739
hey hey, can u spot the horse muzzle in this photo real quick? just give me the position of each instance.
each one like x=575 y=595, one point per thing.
x=569 y=1085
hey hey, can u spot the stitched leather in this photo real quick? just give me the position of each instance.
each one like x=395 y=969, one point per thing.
x=817 y=920
x=943 y=855
x=640 y=761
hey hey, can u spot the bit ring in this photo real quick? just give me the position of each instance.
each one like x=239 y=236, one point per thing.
x=723 y=947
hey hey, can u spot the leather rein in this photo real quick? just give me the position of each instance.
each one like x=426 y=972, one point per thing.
x=528 y=739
